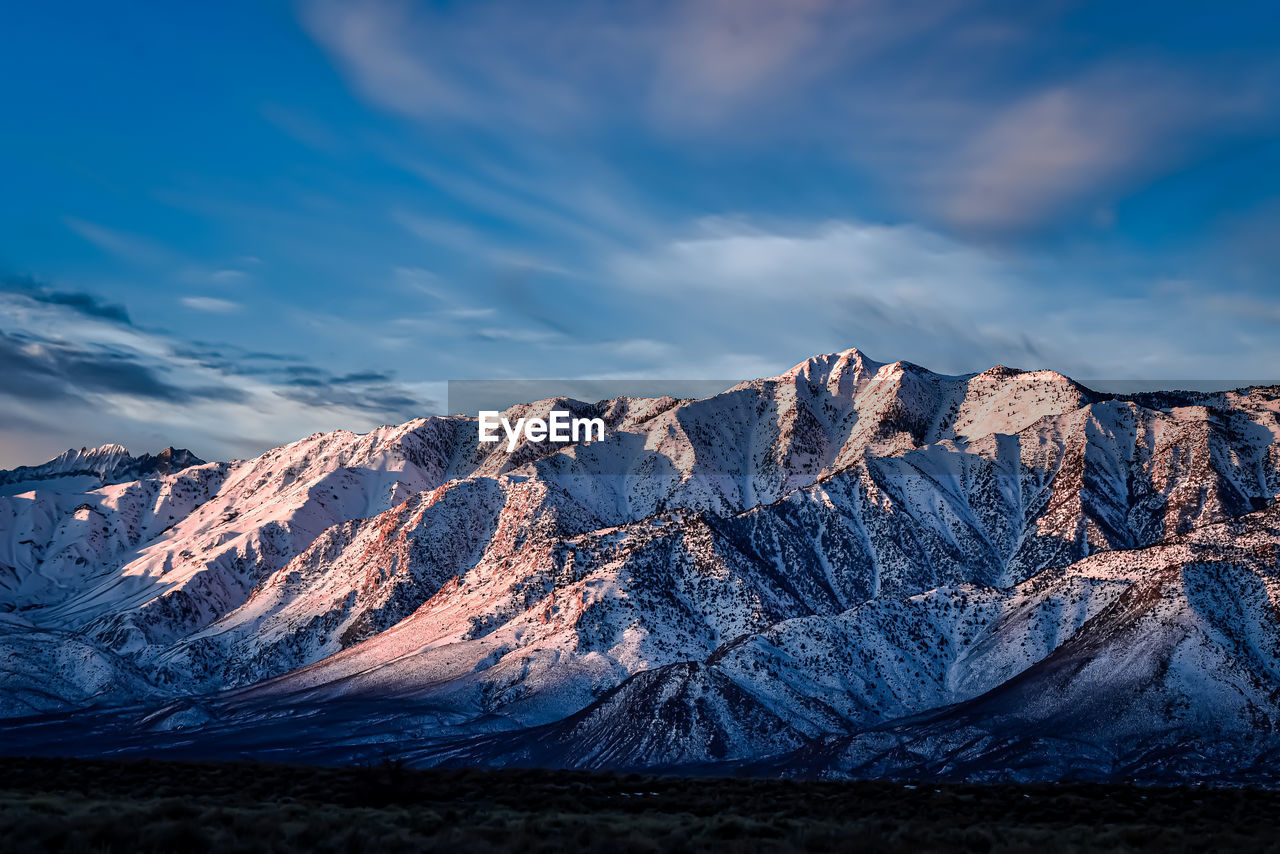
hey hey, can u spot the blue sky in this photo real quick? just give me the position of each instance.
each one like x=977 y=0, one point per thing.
x=229 y=226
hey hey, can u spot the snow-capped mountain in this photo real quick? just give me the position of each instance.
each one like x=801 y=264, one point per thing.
x=853 y=568
x=91 y=467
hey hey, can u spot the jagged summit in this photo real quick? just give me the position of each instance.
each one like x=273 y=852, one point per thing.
x=89 y=453
x=109 y=463
x=86 y=458
x=853 y=568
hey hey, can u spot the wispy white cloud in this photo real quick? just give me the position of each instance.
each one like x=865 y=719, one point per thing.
x=472 y=62
x=228 y=276
x=211 y=305
x=303 y=128
x=718 y=53
x=907 y=292
x=558 y=66
x=373 y=44
x=443 y=233
x=740 y=259
x=472 y=244
x=771 y=65
x=1062 y=144
x=130 y=248
x=960 y=136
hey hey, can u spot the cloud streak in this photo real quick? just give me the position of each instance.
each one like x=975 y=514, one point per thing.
x=1062 y=145
x=126 y=247
x=77 y=301
x=47 y=369
x=75 y=365
x=907 y=292
x=211 y=305
x=962 y=137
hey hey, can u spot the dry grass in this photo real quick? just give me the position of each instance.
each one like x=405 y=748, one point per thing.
x=144 y=806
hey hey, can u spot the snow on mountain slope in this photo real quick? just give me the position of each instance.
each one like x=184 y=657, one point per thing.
x=45 y=671
x=808 y=677
x=58 y=542
x=1176 y=679
x=1126 y=655
x=796 y=559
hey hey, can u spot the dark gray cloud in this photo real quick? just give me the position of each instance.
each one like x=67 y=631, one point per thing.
x=42 y=369
x=56 y=369
x=75 y=369
x=378 y=393
x=233 y=361
x=374 y=392
x=80 y=302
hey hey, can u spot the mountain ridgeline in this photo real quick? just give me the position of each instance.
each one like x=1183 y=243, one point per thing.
x=853 y=569
x=107 y=464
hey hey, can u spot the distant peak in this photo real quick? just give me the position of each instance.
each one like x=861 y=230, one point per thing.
x=107 y=450
x=849 y=354
x=110 y=463
x=830 y=363
x=1001 y=371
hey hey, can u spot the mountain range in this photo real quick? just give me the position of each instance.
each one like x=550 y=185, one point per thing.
x=853 y=569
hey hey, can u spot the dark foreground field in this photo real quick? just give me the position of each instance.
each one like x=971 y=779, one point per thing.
x=146 y=806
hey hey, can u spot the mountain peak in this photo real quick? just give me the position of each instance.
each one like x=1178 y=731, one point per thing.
x=842 y=372
x=85 y=453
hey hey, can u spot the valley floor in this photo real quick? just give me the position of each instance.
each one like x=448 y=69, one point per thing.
x=151 y=806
